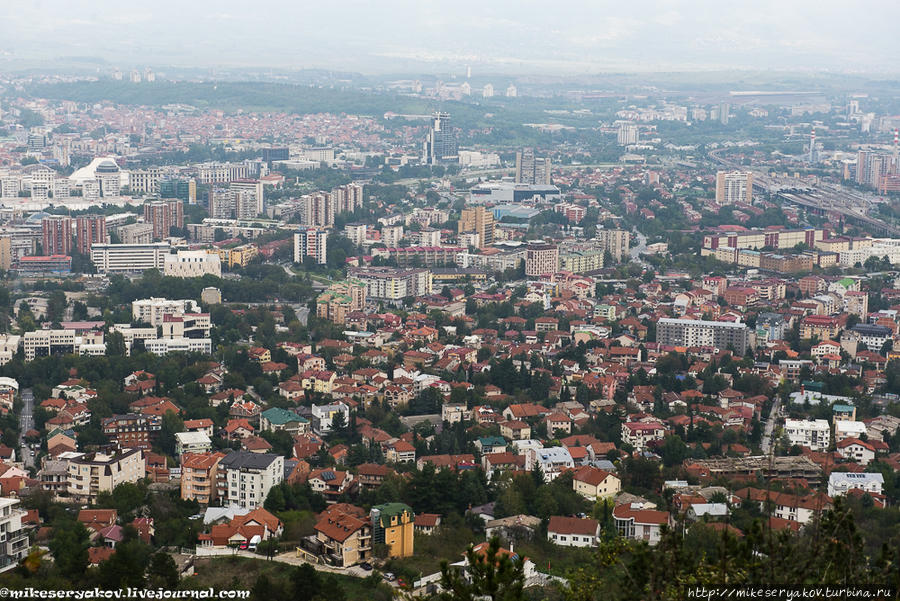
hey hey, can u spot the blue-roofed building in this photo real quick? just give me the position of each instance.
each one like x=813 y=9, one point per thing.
x=488 y=445
x=841 y=411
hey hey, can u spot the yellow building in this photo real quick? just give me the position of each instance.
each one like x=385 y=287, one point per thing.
x=239 y=256
x=5 y=253
x=477 y=220
x=393 y=525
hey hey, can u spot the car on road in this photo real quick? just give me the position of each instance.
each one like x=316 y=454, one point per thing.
x=389 y=576
x=366 y=566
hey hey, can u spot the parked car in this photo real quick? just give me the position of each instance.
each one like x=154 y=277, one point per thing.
x=366 y=566
x=389 y=576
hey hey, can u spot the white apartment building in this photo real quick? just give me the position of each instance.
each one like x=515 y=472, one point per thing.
x=164 y=346
x=191 y=442
x=192 y=264
x=245 y=478
x=391 y=235
x=188 y=325
x=9 y=344
x=13 y=537
x=93 y=473
x=390 y=284
x=130 y=334
x=356 y=233
x=840 y=483
x=639 y=434
x=323 y=416
x=734 y=186
x=153 y=310
x=845 y=428
x=551 y=460
x=129 y=258
x=46 y=343
x=311 y=243
x=815 y=434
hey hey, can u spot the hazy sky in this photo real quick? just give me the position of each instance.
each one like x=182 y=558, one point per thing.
x=524 y=36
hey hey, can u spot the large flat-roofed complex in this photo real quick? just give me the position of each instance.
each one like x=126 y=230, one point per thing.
x=694 y=332
x=129 y=258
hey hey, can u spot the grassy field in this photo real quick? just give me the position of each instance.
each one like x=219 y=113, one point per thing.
x=450 y=544
x=240 y=573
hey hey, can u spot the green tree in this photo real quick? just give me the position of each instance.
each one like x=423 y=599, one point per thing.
x=491 y=574
x=163 y=573
x=70 y=549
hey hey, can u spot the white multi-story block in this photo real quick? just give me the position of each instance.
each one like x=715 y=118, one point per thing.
x=94 y=473
x=245 y=478
x=153 y=310
x=814 y=434
x=192 y=264
x=551 y=460
x=840 y=483
x=13 y=537
x=129 y=258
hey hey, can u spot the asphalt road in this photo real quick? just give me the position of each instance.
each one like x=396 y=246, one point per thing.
x=766 y=444
x=26 y=422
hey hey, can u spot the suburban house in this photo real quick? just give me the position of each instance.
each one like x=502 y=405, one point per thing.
x=593 y=483
x=573 y=532
x=636 y=523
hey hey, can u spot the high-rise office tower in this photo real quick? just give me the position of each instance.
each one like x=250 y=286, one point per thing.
x=477 y=220
x=734 y=186
x=530 y=169
x=440 y=142
x=56 y=235
x=89 y=229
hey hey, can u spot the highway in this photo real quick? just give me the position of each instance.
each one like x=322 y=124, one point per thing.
x=26 y=422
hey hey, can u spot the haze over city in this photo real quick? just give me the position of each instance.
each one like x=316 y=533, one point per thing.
x=568 y=37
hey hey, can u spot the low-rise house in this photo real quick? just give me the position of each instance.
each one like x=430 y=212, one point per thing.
x=346 y=540
x=400 y=451
x=593 y=483
x=330 y=483
x=856 y=450
x=243 y=528
x=427 y=523
x=191 y=442
x=488 y=445
x=515 y=430
x=573 y=532
x=276 y=419
x=640 y=434
x=636 y=523
x=840 y=483
x=372 y=475
x=797 y=508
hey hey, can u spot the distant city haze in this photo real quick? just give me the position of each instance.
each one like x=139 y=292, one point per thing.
x=523 y=37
